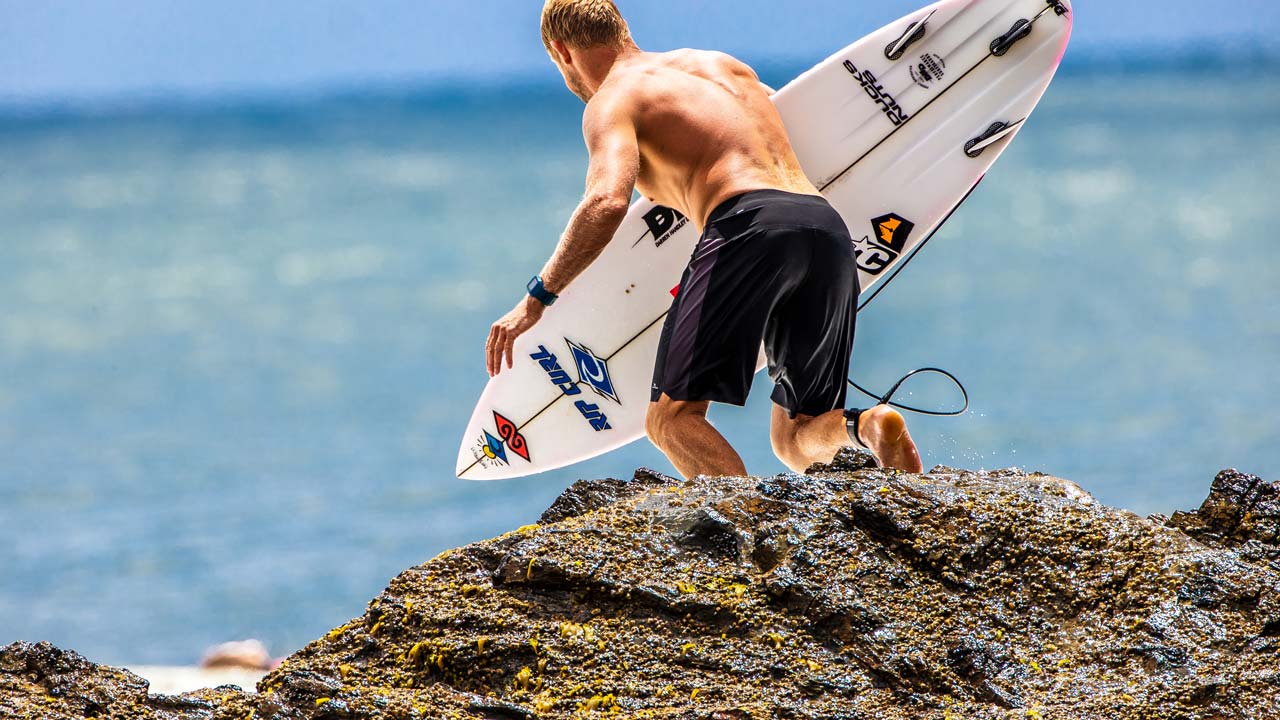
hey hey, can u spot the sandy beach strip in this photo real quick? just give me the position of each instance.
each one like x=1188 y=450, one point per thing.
x=166 y=680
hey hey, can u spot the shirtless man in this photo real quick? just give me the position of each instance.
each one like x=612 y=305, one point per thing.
x=695 y=131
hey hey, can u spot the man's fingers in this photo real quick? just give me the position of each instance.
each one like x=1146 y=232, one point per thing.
x=489 y=349
x=497 y=350
x=499 y=345
x=502 y=340
x=488 y=352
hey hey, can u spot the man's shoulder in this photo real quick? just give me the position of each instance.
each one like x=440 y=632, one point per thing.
x=651 y=73
x=623 y=89
x=693 y=57
x=618 y=95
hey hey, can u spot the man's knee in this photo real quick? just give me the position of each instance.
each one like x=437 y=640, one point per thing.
x=654 y=423
x=782 y=440
x=782 y=436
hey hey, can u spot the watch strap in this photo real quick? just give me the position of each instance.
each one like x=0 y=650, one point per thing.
x=540 y=292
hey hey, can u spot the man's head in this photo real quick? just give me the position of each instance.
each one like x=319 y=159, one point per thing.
x=571 y=29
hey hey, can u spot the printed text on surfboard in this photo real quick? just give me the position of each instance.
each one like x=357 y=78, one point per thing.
x=876 y=92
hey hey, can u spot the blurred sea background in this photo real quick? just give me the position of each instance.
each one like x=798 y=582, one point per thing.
x=241 y=330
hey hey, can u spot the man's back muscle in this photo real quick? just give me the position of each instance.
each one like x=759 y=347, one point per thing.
x=706 y=129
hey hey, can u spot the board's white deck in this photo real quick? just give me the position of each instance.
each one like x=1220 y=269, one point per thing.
x=884 y=140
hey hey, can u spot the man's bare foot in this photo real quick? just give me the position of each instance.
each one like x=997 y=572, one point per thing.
x=885 y=433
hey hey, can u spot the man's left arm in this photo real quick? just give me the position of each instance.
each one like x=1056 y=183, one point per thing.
x=611 y=177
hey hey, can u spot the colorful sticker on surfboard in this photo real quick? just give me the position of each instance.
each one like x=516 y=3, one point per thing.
x=892 y=231
x=491 y=451
x=888 y=238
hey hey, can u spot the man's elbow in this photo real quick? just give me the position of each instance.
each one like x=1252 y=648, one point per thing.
x=607 y=206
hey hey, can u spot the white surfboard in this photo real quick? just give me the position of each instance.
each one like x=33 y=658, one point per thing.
x=895 y=130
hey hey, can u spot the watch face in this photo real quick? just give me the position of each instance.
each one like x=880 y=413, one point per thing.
x=540 y=293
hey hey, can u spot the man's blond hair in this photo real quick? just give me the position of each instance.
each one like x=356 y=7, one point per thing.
x=583 y=24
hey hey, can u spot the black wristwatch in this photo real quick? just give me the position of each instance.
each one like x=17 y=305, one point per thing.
x=540 y=292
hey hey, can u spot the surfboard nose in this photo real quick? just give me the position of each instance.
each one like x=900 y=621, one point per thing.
x=1069 y=16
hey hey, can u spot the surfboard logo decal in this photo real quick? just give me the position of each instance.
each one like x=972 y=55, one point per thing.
x=929 y=70
x=892 y=231
x=888 y=239
x=551 y=366
x=593 y=371
x=511 y=434
x=592 y=413
x=492 y=448
x=662 y=222
x=871 y=84
x=872 y=258
x=489 y=451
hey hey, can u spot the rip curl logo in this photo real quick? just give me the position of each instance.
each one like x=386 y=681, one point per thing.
x=592 y=413
x=593 y=371
x=878 y=94
x=663 y=222
x=551 y=366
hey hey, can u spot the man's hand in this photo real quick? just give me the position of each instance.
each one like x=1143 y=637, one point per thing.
x=503 y=334
x=614 y=163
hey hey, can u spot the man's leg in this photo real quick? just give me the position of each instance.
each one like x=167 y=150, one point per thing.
x=805 y=440
x=681 y=431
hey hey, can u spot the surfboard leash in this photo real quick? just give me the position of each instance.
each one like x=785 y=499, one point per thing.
x=887 y=398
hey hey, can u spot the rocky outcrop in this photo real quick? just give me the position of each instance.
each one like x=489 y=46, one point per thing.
x=1241 y=513
x=38 y=682
x=844 y=593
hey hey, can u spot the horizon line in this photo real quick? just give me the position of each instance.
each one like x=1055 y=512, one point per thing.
x=1197 y=56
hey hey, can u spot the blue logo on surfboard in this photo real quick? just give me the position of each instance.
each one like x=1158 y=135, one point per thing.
x=493 y=448
x=593 y=371
x=551 y=366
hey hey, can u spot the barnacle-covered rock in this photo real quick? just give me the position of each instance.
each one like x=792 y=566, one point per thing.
x=847 y=592
x=40 y=682
x=1242 y=512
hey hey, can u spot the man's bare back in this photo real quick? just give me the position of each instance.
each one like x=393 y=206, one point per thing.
x=705 y=126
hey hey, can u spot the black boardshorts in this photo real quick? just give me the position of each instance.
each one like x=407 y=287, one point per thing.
x=771 y=266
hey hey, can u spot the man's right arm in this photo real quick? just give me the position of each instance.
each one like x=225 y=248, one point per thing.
x=611 y=177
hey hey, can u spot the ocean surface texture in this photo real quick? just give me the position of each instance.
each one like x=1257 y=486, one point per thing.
x=239 y=342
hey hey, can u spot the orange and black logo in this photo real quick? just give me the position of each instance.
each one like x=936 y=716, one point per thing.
x=892 y=231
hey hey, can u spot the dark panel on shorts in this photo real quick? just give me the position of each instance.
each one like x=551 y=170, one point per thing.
x=771 y=267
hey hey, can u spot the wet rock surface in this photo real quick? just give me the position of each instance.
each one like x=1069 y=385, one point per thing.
x=39 y=681
x=849 y=592
x=1242 y=513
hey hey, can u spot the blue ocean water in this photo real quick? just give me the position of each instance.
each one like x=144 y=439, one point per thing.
x=239 y=341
